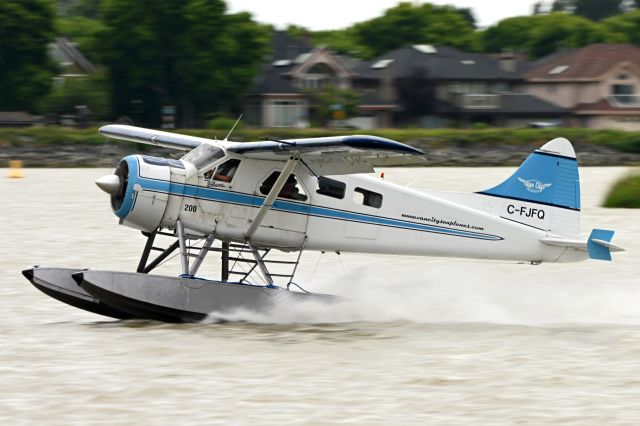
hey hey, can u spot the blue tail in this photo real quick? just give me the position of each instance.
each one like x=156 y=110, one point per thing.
x=549 y=176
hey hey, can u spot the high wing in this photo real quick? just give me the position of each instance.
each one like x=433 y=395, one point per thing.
x=332 y=155
x=152 y=137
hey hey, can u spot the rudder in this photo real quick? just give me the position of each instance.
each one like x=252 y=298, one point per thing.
x=544 y=192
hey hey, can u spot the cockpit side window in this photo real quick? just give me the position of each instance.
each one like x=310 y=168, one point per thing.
x=291 y=189
x=331 y=187
x=224 y=172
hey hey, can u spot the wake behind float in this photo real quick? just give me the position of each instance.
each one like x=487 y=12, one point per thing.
x=250 y=200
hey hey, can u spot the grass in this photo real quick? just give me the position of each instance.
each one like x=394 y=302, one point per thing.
x=625 y=193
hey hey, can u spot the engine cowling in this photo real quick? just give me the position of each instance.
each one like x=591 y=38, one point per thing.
x=139 y=190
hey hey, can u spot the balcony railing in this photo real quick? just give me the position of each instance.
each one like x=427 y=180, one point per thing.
x=477 y=101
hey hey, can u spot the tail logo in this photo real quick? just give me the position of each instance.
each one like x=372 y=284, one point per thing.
x=534 y=185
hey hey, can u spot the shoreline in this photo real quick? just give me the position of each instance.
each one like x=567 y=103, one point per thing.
x=477 y=155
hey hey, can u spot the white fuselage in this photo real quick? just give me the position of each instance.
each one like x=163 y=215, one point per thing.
x=406 y=222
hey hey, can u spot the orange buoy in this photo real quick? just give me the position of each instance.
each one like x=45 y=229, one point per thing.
x=15 y=169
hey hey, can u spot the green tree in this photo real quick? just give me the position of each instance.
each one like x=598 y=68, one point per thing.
x=91 y=92
x=510 y=33
x=595 y=10
x=563 y=6
x=26 y=27
x=598 y=9
x=85 y=32
x=541 y=35
x=85 y=8
x=217 y=62
x=558 y=30
x=188 y=53
x=467 y=14
x=326 y=100
x=409 y=23
x=623 y=28
x=341 y=41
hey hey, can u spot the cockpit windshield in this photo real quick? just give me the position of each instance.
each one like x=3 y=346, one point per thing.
x=203 y=155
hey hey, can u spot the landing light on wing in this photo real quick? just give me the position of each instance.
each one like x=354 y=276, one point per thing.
x=108 y=184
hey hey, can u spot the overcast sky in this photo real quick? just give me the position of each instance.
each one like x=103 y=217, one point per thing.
x=336 y=14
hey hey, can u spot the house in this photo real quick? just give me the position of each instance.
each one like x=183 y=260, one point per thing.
x=599 y=84
x=19 y=119
x=436 y=86
x=281 y=93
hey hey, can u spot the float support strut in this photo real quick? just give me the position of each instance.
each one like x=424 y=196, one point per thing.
x=184 y=255
x=203 y=252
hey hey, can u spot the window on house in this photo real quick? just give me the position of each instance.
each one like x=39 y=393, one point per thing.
x=331 y=187
x=291 y=189
x=367 y=198
x=224 y=172
x=623 y=93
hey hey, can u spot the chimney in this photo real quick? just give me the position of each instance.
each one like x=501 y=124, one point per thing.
x=508 y=61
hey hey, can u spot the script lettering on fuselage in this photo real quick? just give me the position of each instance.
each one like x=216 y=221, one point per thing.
x=216 y=185
x=527 y=213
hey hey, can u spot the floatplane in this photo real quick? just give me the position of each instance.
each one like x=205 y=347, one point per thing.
x=247 y=200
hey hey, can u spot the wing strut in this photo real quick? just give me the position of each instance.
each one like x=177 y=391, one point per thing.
x=275 y=190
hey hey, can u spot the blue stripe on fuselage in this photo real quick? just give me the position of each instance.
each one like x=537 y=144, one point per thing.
x=211 y=194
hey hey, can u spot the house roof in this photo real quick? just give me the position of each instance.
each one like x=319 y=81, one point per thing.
x=288 y=54
x=589 y=62
x=604 y=106
x=272 y=80
x=522 y=103
x=436 y=62
x=285 y=47
x=282 y=59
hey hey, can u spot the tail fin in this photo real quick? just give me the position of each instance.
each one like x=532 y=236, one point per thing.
x=545 y=191
x=599 y=244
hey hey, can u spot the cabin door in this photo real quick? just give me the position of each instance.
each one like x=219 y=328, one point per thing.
x=287 y=219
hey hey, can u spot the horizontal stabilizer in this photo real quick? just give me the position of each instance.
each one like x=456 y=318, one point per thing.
x=599 y=245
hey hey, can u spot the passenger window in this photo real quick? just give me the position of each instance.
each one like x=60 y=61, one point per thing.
x=224 y=172
x=291 y=189
x=367 y=198
x=331 y=187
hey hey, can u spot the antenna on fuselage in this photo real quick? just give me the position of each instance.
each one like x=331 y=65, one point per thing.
x=234 y=126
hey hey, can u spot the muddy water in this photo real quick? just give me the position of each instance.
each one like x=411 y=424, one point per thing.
x=419 y=340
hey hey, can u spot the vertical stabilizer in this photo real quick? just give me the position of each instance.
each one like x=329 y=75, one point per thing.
x=545 y=190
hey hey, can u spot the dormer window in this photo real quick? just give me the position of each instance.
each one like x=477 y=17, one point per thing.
x=559 y=69
x=382 y=63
